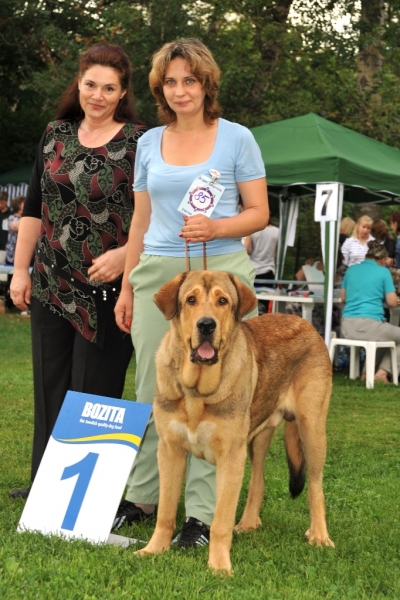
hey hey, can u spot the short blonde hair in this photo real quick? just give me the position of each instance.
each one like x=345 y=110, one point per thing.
x=363 y=220
x=202 y=66
x=347 y=225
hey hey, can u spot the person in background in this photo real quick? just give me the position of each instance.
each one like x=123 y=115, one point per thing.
x=4 y=214
x=318 y=312
x=395 y=225
x=261 y=247
x=318 y=264
x=380 y=231
x=355 y=247
x=346 y=229
x=194 y=140
x=76 y=220
x=365 y=287
x=17 y=205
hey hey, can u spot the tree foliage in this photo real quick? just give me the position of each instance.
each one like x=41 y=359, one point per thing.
x=279 y=58
x=39 y=45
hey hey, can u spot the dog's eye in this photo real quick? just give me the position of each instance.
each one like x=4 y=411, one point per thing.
x=222 y=300
x=191 y=300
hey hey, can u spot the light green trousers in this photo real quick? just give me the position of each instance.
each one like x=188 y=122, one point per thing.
x=148 y=328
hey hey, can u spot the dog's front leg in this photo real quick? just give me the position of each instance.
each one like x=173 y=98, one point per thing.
x=230 y=469
x=172 y=465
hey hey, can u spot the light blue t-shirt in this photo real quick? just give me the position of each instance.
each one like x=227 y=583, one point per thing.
x=366 y=286
x=236 y=156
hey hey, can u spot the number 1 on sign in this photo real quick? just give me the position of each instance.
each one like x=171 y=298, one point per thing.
x=84 y=469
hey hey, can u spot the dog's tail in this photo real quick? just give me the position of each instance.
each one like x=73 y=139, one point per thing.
x=295 y=458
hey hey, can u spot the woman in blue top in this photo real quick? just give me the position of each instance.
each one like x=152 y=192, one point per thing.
x=364 y=289
x=193 y=142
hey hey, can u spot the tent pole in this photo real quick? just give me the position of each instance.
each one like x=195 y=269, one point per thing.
x=283 y=226
x=331 y=246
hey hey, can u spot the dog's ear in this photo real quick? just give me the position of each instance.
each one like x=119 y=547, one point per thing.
x=247 y=298
x=166 y=298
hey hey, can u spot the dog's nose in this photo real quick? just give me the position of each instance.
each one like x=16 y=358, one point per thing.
x=206 y=325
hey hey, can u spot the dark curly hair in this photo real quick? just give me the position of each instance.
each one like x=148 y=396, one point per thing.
x=376 y=250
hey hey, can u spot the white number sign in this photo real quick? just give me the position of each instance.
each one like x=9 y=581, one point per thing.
x=326 y=202
x=85 y=467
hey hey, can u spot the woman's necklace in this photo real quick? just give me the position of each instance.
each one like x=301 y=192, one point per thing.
x=99 y=134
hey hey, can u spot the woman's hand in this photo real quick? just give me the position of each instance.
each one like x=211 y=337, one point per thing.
x=124 y=310
x=198 y=228
x=108 y=266
x=20 y=288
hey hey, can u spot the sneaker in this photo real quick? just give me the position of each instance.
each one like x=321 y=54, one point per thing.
x=193 y=533
x=129 y=513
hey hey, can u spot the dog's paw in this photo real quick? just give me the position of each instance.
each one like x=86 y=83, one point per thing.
x=142 y=552
x=220 y=568
x=148 y=551
x=247 y=525
x=318 y=540
x=219 y=559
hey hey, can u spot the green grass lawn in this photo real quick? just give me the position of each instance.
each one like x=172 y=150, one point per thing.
x=362 y=485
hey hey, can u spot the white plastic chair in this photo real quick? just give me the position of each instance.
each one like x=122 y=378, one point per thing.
x=370 y=352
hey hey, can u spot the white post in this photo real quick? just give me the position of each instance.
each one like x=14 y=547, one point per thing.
x=330 y=268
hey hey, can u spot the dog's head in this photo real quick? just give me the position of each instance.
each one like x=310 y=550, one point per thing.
x=205 y=306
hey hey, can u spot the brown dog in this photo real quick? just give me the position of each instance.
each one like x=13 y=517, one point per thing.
x=223 y=384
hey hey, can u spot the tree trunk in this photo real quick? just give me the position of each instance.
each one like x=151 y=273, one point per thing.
x=269 y=46
x=369 y=61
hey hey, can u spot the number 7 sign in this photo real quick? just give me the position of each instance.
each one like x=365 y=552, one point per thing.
x=326 y=202
x=83 y=473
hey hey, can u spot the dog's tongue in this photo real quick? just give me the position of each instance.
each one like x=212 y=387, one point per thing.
x=206 y=350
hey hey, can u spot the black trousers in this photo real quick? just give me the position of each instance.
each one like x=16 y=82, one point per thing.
x=64 y=360
x=266 y=305
x=267 y=275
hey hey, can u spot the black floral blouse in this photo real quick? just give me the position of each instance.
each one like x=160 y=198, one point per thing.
x=83 y=197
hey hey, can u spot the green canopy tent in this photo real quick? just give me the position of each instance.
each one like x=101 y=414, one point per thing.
x=16 y=181
x=309 y=149
x=21 y=174
x=304 y=151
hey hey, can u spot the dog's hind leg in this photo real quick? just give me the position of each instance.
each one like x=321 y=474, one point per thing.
x=312 y=434
x=258 y=449
x=295 y=458
x=172 y=466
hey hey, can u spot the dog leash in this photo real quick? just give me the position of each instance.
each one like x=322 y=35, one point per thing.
x=187 y=258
